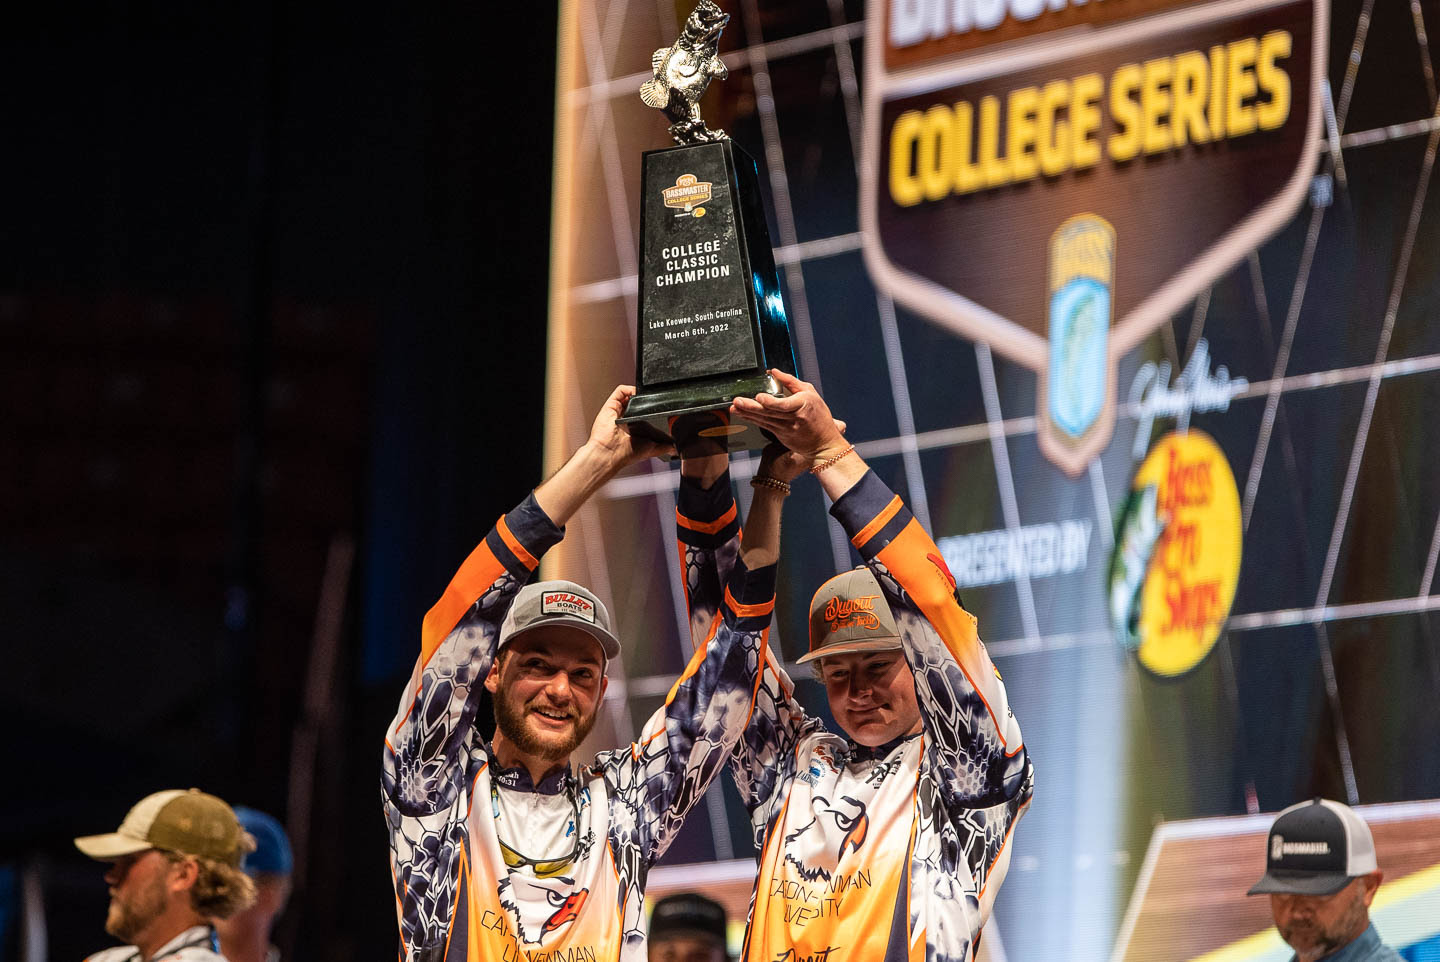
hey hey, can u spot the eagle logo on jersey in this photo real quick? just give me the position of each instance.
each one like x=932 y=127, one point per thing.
x=811 y=848
x=568 y=912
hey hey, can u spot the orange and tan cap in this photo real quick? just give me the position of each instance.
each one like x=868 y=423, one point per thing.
x=187 y=822
x=849 y=614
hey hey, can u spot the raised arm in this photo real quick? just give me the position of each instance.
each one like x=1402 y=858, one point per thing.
x=705 y=531
x=422 y=770
x=686 y=742
x=962 y=700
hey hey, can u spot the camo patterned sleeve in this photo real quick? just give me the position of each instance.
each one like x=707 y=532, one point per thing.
x=427 y=762
x=708 y=535
x=657 y=780
x=975 y=748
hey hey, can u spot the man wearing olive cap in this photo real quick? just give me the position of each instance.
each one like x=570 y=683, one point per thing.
x=887 y=840
x=175 y=867
x=1321 y=875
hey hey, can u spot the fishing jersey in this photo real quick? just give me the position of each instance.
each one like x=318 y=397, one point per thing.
x=456 y=897
x=199 y=943
x=892 y=853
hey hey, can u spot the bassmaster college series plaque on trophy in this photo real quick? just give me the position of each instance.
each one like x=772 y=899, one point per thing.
x=712 y=322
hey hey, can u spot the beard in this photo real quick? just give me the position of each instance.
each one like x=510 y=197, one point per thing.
x=131 y=914
x=1312 y=940
x=510 y=719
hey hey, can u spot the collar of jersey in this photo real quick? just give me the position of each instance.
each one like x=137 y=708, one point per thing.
x=517 y=779
x=862 y=753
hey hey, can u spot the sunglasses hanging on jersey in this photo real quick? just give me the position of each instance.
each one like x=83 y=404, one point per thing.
x=543 y=867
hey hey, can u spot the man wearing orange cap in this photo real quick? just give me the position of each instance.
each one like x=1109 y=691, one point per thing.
x=175 y=867
x=889 y=841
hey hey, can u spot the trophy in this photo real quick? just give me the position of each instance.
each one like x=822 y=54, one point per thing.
x=711 y=320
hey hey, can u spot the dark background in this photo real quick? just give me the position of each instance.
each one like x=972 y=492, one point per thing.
x=272 y=281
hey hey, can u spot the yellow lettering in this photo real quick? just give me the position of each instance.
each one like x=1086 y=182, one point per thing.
x=1021 y=134
x=905 y=188
x=1125 y=142
x=968 y=176
x=996 y=171
x=1187 y=114
x=1085 y=119
x=1274 y=46
x=1239 y=86
x=1155 y=104
x=1053 y=147
x=935 y=158
x=1216 y=113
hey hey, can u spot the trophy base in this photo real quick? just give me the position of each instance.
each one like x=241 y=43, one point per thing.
x=651 y=412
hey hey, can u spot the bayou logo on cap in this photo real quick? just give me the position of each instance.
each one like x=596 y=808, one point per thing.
x=567 y=603
x=687 y=195
x=997 y=185
x=1177 y=554
x=857 y=612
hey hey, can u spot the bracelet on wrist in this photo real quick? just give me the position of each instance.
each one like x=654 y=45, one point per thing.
x=774 y=484
x=831 y=461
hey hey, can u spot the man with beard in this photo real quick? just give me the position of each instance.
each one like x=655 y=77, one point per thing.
x=504 y=850
x=889 y=841
x=175 y=868
x=1321 y=875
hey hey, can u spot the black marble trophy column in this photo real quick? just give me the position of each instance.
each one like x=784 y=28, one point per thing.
x=712 y=322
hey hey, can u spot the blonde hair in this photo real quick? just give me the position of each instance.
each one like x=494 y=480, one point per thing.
x=220 y=890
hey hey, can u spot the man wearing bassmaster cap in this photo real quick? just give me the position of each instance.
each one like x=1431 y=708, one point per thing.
x=889 y=841
x=175 y=868
x=504 y=850
x=1321 y=875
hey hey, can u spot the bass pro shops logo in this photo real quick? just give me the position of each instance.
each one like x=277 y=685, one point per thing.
x=1056 y=178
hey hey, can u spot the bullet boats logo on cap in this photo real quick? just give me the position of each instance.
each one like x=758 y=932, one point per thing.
x=567 y=603
x=1057 y=177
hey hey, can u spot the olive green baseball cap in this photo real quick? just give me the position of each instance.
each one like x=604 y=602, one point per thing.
x=849 y=614
x=187 y=822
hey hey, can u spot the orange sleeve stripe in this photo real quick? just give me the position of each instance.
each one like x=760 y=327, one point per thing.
x=455 y=908
x=476 y=575
x=748 y=611
x=705 y=527
x=926 y=584
x=878 y=522
x=696 y=660
x=990 y=869
x=513 y=543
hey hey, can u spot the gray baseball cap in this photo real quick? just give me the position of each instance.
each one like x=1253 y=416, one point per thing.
x=849 y=614
x=559 y=603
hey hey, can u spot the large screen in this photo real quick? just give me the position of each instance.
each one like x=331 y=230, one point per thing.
x=1137 y=306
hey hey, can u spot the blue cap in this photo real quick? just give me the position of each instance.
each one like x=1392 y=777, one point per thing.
x=272 y=848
